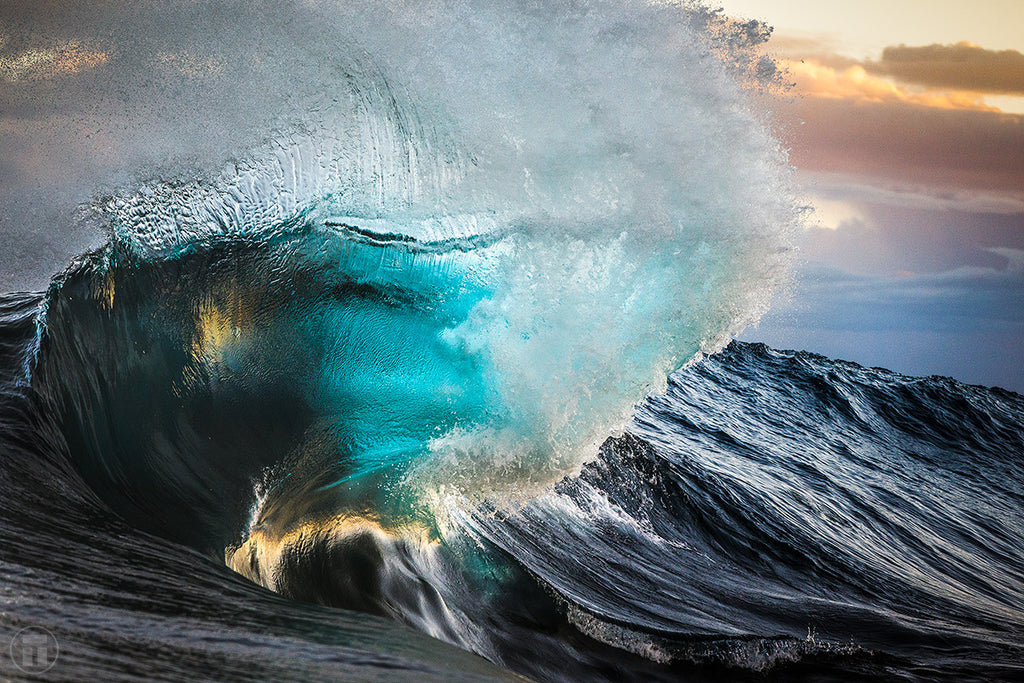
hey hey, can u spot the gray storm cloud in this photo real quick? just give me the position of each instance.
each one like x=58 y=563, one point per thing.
x=962 y=66
x=953 y=149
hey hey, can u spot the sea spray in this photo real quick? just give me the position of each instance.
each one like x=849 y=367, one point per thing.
x=634 y=206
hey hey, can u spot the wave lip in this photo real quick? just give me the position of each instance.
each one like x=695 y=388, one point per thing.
x=613 y=210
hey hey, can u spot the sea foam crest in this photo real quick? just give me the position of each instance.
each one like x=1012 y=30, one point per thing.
x=615 y=149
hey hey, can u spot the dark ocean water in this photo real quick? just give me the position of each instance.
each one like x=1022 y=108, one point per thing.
x=771 y=515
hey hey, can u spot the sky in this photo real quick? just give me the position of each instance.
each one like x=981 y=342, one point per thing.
x=905 y=124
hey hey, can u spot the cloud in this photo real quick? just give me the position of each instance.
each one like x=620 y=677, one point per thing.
x=831 y=214
x=815 y=78
x=964 y=300
x=1014 y=258
x=963 y=66
x=948 y=150
x=888 y=240
x=834 y=194
x=866 y=137
x=966 y=322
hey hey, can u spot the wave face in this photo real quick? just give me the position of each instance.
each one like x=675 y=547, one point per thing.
x=770 y=514
x=386 y=364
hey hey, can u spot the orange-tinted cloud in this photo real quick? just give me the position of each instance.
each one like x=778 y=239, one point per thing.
x=814 y=78
x=853 y=120
x=962 y=66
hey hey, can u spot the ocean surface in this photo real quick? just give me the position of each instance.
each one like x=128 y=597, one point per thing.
x=772 y=514
x=435 y=380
